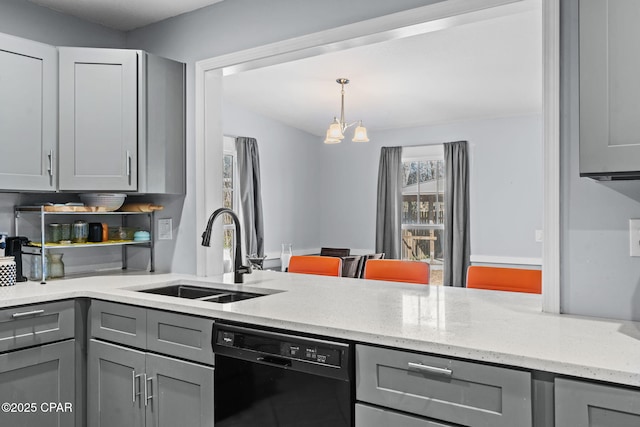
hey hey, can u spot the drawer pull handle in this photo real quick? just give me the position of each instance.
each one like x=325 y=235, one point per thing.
x=27 y=313
x=50 y=167
x=430 y=369
x=135 y=393
x=147 y=395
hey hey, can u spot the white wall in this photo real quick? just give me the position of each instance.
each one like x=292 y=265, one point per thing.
x=506 y=184
x=290 y=176
x=317 y=195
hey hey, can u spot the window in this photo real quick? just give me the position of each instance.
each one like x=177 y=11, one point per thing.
x=229 y=199
x=423 y=207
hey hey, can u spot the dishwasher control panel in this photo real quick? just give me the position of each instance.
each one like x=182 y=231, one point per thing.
x=281 y=345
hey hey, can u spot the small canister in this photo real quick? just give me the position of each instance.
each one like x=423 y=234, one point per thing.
x=65 y=233
x=105 y=231
x=55 y=233
x=80 y=232
x=95 y=232
x=7 y=271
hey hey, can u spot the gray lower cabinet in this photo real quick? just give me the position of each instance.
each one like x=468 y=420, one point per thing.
x=38 y=383
x=180 y=393
x=32 y=325
x=114 y=376
x=369 y=416
x=609 y=88
x=584 y=404
x=129 y=387
x=164 y=375
x=443 y=390
x=28 y=114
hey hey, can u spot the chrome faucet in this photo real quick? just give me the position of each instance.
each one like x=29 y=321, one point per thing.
x=238 y=270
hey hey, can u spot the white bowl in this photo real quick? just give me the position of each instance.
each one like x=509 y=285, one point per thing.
x=109 y=201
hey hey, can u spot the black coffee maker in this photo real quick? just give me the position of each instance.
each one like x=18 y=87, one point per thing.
x=14 y=249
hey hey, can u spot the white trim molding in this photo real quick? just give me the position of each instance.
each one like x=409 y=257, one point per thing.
x=551 y=125
x=507 y=260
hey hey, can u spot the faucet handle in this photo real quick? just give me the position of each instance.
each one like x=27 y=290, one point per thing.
x=240 y=272
x=245 y=269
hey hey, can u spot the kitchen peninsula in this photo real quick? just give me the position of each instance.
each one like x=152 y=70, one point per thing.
x=501 y=329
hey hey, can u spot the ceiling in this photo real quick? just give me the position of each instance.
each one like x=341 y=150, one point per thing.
x=485 y=69
x=124 y=15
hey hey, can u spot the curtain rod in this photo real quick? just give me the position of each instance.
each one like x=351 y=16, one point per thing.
x=235 y=136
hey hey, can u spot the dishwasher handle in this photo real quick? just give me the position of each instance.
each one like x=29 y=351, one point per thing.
x=274 y=361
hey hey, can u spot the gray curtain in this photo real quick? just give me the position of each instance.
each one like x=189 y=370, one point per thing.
x=456 y=214
x=250 y=195
x=389 y=210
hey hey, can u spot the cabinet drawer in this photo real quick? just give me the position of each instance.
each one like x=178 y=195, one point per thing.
x=444 y=389
x=368 y=416
x=36 y=324
x=186 y=337
x=119 y=323
x=579 y=403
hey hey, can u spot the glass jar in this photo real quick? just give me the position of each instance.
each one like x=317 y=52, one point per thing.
x=65 y=233
x=285 y=256
x=80 y=232
x=54 y=232
x=56 y=266
x=35 y=273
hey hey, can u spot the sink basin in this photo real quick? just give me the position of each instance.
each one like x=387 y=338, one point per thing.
x=202 y=293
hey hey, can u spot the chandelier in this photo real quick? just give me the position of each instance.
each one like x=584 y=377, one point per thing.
x=335 y=133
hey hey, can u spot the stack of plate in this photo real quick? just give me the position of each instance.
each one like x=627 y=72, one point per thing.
x=109 y=201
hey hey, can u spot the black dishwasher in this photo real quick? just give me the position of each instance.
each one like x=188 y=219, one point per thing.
x=273 y=379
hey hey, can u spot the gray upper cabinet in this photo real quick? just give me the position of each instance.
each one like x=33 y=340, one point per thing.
x=161 y=152
x=28 y=114
x=609 y=89
x=98 y=119
x=122 y=121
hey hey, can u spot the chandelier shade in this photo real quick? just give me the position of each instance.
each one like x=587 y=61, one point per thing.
x=337 y=128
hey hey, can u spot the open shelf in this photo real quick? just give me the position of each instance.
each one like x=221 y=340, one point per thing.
x=39 y=247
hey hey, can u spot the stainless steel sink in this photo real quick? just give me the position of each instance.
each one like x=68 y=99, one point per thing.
x=201 y=293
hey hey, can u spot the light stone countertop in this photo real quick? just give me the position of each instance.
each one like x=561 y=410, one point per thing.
x=496 y=327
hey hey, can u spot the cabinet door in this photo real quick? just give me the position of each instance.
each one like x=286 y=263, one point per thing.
x=28 y=114
x=115 y=376
x=609 y=87
x=580 y=403
x=98 y=119
x=37 y=377
x=180 y=393
x=161 y=157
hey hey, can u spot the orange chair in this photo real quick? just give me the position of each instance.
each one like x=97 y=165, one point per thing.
x=322 y=265
x=504 y=279
x=395 y=270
